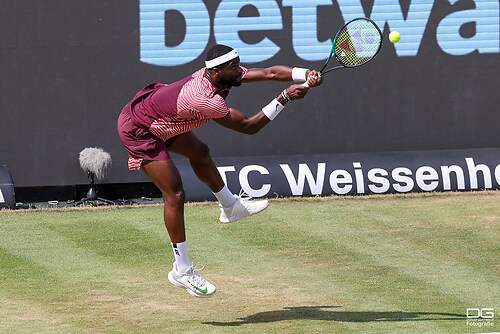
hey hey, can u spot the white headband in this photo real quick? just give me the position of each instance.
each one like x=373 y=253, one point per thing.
x=222 y=59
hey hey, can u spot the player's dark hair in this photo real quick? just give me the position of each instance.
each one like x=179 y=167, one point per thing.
x=217 y=51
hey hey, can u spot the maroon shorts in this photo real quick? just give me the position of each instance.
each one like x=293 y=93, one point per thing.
x=140 y=143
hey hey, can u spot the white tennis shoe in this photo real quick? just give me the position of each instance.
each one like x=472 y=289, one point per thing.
x=194 y=284
x=243 y=207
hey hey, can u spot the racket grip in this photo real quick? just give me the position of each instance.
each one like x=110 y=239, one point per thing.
x=306 y=84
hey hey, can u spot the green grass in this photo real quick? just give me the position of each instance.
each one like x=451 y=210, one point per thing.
x=371 y=264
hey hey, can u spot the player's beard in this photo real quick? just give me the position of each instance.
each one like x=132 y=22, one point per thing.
x=233 y=82
x=236 y=82
x=229 y=80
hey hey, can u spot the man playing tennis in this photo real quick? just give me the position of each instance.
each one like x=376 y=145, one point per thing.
x=159 y=120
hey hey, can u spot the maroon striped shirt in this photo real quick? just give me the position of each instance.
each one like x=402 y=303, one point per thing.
x=169 y=110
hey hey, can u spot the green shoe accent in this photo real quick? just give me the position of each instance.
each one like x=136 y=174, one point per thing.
x=200 y=290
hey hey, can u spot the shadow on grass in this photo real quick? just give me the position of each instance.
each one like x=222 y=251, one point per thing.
x=321 y=313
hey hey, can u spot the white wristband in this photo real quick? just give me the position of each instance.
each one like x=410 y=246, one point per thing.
x=273 y=109
x=299 y=74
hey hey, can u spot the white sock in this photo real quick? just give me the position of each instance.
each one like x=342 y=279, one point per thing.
x=181 y=256
x=225 y=197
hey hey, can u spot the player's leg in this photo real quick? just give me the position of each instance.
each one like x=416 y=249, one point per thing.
x=142 y=144
x=232 y=207
x=166 y=177
x=189 y=146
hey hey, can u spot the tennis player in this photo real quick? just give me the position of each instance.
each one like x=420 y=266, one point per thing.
x=159 y=120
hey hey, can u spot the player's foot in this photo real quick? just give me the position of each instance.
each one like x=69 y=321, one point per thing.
x=243 y=207
x=194 y=284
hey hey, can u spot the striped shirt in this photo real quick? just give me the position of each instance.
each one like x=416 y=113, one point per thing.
x=169 y=110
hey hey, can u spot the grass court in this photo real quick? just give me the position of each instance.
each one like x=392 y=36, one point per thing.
x=368 y=264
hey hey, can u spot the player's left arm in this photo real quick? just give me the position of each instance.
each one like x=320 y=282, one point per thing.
x=238 y=121
x=283 y=73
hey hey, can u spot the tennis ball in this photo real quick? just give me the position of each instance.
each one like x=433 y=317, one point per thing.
x=394 y=37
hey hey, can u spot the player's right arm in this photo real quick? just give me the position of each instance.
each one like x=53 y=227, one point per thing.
x=276 y=73
x=238 y=121
x=281 y=73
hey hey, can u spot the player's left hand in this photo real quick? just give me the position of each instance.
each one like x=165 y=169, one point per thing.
x=297 y=92
x=314 y=79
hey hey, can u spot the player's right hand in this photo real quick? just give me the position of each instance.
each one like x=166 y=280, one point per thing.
x=297 y=92
x=314 y=79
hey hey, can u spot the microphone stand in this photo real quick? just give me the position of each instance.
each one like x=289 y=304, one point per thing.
x=92 y=197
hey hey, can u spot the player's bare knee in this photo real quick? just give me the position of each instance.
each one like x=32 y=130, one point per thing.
x=205 y=151
x=180 y=196
x=175 y=198
x=202 y=153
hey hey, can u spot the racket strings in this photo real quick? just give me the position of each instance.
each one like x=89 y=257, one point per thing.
x=357 y=43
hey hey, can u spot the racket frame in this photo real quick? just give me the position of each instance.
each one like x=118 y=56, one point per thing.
x=332 y=52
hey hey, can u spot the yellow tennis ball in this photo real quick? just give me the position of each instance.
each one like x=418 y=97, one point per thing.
x=394 y=37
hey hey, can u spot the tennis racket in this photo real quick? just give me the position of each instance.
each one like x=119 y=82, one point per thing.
x=355 y=44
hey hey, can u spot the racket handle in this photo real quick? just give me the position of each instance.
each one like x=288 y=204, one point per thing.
x=306 y=84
